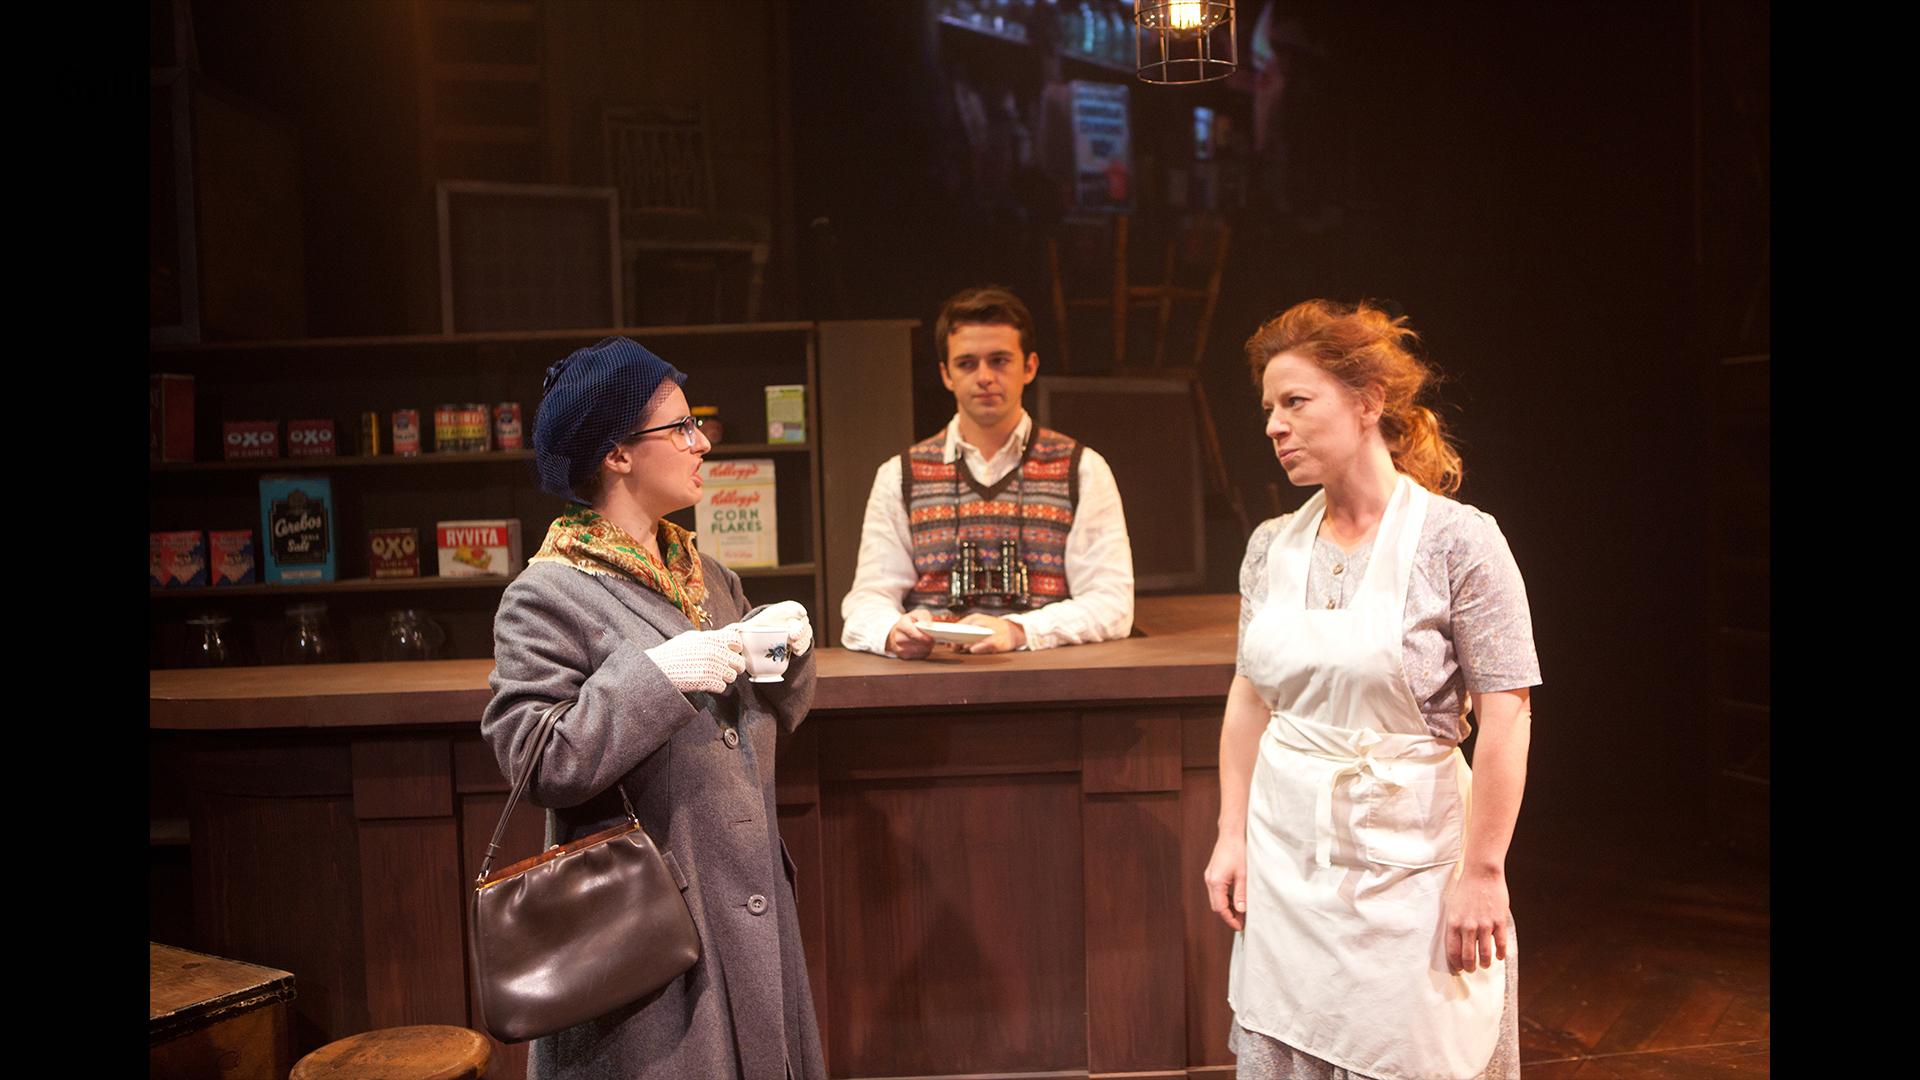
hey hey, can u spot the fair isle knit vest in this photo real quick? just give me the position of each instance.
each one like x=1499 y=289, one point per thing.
x=1033 y=503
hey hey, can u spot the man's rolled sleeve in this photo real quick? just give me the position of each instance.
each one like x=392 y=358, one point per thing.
x=885 y=572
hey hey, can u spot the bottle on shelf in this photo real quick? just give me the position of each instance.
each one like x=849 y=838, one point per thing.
x=206 y=641
x=308 y=639
x=412 y=636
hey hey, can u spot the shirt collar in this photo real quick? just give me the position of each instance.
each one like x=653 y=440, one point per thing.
x=951 y=450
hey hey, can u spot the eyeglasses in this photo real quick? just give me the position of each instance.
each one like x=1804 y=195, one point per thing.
x=685 y=431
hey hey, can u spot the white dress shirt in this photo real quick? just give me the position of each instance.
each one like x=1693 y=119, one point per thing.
x=1099 y=559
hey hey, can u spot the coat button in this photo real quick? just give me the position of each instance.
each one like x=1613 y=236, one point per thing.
x=1329 y=603
x=1338 y=567
x=731 y=738
x=757 y=904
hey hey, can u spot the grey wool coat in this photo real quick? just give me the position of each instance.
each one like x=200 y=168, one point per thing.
x=744 y=1010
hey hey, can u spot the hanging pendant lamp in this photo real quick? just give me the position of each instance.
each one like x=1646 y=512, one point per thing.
x=1184 y=41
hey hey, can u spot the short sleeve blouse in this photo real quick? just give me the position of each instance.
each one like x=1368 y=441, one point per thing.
x=1467 y=628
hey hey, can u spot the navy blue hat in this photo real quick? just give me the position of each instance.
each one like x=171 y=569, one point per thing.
x=591 y=398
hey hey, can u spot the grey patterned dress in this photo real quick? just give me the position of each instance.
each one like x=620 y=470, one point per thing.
x=1467 y=630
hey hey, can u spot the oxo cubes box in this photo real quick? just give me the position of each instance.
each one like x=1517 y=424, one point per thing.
x=393 y=553
x=296 y=528
x=241 y=440
x=478 y=547
x=310 y=438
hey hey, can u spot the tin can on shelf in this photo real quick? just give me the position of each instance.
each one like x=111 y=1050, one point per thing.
x=460 y=429
x=406 y=432
x=476 y=424
x=370 y=440
x=446 y=418
x=710 y=426
x=506 y=427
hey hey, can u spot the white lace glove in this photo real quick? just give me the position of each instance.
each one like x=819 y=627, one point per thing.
x=791 y=614
x=701 y=660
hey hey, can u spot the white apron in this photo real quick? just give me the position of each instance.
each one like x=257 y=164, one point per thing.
x=1355 y=824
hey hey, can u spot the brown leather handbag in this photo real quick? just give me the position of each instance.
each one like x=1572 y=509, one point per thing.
x=580 y=929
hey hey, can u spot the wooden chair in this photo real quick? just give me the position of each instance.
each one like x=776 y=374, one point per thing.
x=421 y=1052
x=1192 y=243
x=1194 y=246
x=658 y=158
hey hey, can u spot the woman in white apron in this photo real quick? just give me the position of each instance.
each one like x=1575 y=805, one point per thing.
x=1360 y=861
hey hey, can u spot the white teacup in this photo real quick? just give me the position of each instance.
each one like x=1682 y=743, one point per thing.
x=766 y=652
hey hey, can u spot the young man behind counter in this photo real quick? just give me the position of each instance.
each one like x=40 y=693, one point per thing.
x=995 y=521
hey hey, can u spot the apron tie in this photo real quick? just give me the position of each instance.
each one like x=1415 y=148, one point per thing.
x=1361 y=763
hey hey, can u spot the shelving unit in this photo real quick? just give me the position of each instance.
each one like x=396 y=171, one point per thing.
x=1074 y=56
x=206 y=593
x=480 y=457
x=728 y=366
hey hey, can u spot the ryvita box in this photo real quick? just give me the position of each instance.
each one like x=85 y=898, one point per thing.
x=296 y=528
x=735 y=517
x=478 y=547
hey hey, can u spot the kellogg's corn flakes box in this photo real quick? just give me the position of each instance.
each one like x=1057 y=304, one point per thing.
x=735 y=516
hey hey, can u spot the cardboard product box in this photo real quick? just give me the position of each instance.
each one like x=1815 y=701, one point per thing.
x=231 y=555
x=394 y=552
x=243 y=440
x=735 y=519
x=311 y=438
x=478 y=547
x=170 y=417
x=787 y=413
x=176 y=559
x=296 y=528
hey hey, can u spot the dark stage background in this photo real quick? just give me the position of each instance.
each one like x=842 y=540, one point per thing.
x=1570 y=202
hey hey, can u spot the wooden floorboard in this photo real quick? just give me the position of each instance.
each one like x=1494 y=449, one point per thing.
x=1642 y=961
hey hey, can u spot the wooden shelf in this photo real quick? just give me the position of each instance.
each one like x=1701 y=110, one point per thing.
x=346 y=585
x=282 y=464
x=803 y=569
x=492 y=337
x=480 y=457
x=743 y=449
x=414 y=584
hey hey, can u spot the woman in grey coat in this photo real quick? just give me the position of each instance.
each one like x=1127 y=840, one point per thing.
x=618 y=611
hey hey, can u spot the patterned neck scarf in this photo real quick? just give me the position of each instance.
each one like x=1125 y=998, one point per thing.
x=585 y=540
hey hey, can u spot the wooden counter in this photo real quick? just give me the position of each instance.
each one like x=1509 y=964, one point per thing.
x=999 y=856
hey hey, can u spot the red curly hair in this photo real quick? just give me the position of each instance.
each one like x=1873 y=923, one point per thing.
x=1368 y=351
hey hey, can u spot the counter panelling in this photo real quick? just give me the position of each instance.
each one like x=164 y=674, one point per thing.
x=998 y=857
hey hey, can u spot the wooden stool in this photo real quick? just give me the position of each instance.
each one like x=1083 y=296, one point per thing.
x=422 y=1052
